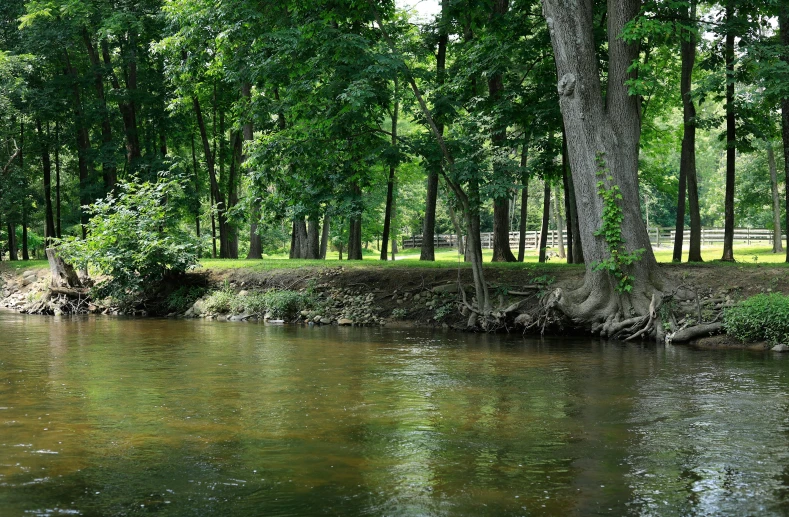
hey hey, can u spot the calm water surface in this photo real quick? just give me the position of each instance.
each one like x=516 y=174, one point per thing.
x=111 y=417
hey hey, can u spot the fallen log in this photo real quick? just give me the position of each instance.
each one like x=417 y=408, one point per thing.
x=696 y=331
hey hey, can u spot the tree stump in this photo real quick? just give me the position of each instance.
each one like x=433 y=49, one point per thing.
x=63 y=274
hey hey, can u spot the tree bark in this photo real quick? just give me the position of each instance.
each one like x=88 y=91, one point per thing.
x=313 y=238
x=391 y=181
x=501 y=206
x=557 y=215
x=325 y=235
x=546 y=217
x=428 y=251
x=57 y=180
x=255 y=244
x=109 y=170
x=46 y=167
x=569 y=203
x=524 y=199
x=603 y=130
x=355 y=237
x=62 y=274
x=731 y=141
x=783 y=23
x=777 y=241
x=126 y=107
x=83 y=144
x=13 y=253
x=688 y=155
x=216 y=193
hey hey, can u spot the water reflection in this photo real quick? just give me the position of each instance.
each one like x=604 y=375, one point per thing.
x=131 y=417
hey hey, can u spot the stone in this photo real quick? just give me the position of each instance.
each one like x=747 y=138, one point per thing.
x=325 y=321
x=780 y=348
x=304 y=314
x=523 y=319
x=344 y=321
x=417 y=297
x=275 y=322
x=243 y=293
x=446 y=289
x=318 y=318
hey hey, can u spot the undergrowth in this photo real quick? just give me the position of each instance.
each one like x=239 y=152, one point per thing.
x=764 y=317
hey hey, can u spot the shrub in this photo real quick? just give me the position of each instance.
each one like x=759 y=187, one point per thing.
x=134 y=237
x=764 y=317
x=285 y=304
x=183 y=298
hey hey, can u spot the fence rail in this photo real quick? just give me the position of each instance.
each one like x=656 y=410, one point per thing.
x=659 y=237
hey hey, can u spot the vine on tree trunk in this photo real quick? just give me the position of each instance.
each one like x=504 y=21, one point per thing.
x=611 y=231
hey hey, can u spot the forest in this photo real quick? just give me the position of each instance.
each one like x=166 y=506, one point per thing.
x=309 y=127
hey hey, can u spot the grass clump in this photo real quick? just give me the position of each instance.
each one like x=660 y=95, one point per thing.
x=764 y=317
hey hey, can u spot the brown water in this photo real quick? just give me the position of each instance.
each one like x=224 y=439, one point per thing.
x=112 y=417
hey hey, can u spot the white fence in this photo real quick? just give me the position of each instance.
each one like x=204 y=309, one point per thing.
x=658 y=236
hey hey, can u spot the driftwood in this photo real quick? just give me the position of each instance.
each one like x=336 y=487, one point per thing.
x=63 y=274
x=685 y=335
x=73 y=292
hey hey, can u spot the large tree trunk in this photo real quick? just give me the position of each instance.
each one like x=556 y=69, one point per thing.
x=501 y=206
x=546 y=217
x=688 y=156
x=313 y=238
x=46 y=166
x=731 y=141
x=603 y=141
x=777 y=246
x=109 y=170
x=325 y=236
x=355 y=237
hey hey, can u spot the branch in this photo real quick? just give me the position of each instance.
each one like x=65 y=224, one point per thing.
x=11 y=160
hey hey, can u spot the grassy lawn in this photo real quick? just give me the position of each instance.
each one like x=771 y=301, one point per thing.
x=446 y=258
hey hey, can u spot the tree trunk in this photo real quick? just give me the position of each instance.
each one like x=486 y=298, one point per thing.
x=557 y=215
x=301 y=239
x=391 y=181
x=688 y=155
x=12 y=247
x=313 y=238
x=127 y=109
x=61 y=273
x=25 y=252
x=428 y=251
x=355 y=237
x=679 y=226
x=325 y=235
x=546 y=217
x=216 y=193
x=783 y=23
x=295 y=246
x=57 y=180
x=777 y=246
x=46 y=167
x=603 y=136
x=109 y=170
x=196 y=175
x=731 y=141
x=524 y=200
x=569 y=203
x=83 y=145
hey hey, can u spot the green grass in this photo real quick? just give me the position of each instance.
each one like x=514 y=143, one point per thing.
x=19 y=265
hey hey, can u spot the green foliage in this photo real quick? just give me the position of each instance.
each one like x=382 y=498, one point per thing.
x=135 y=238
x=611 y=231
x=764 y=317
x=182 y=298
x=278 y=304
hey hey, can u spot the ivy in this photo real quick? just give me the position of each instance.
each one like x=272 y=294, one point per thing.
x=611 y=231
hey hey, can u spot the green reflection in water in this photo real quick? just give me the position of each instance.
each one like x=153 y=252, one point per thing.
x=139 y=417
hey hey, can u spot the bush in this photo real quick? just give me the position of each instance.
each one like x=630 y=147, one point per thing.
x=134 y=237
x=764 y=317
x=278 y=304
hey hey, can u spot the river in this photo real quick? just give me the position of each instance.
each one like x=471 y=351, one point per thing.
x=120 y=417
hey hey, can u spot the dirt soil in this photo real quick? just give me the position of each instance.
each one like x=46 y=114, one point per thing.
x=393 y=287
